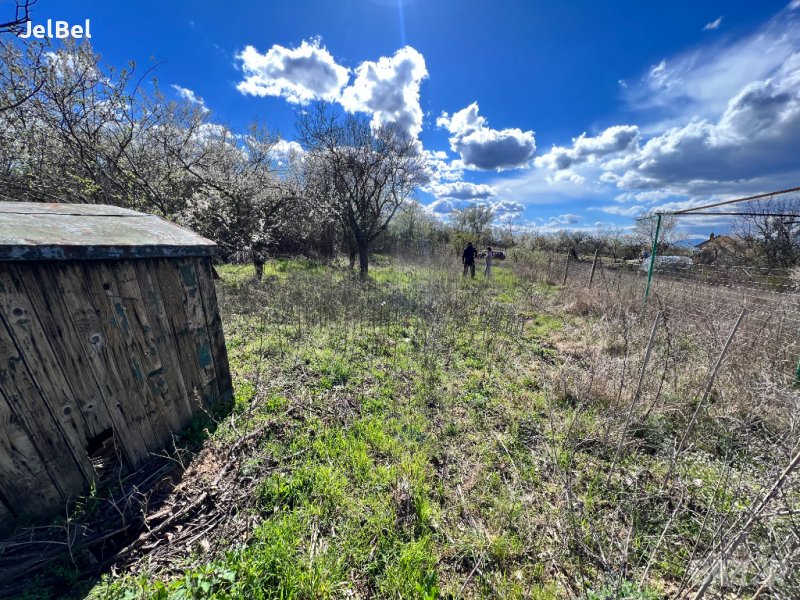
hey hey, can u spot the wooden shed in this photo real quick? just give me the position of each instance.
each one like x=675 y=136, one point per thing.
x=110 y=341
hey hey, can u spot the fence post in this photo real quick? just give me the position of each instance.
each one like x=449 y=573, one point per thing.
x=550 y=260
x=652 y=258
x=566 y=270
x=594 y=265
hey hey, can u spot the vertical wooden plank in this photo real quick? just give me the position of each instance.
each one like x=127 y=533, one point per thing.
x=169 y=395
x=85 y=303
x=39 y=380
x=25 y=484
x=181 y=294
x=208 y=294
x=35 y=416
x=164 y=337
x=38 y=281
x=137 y=403
x=60 y=301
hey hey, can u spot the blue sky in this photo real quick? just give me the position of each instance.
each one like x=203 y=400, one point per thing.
x=572 y=114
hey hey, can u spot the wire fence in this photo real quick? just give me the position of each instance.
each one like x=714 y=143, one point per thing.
x=701 y=301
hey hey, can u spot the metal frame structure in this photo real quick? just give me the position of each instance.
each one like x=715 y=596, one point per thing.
x=704 y=211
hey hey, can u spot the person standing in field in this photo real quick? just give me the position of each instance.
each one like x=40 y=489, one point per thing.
x=468 y=258
x=489 y=261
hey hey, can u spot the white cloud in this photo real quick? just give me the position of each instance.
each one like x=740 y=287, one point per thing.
x=700 y=82
x=714 y=24
x=745 y=143
x=484 y=148
x=389 y=90
x=299 y=75
x=441 y=208
x=658 y=74
x=587 y=149
x=504 y=210
x=462 y=190
x=623 y=211
x=648 y=196
x=758 y=135
x=565 y=219
x=440 y=168
x=189 y=96
x=507 y=210
x=285 y=149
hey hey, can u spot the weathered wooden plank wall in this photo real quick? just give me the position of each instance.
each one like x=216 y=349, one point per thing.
x=126 y=350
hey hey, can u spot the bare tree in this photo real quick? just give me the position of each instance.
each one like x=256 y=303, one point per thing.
x=67 y=138
x=474 y=221
x=242 y=200
x=358 y=174
x=21 y=72
x=412 y=228
x=644 y=232
x=614 y=240
x=770 y=229
x=22 y=14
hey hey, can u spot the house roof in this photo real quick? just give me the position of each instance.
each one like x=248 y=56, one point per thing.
x=38 y=231
x=717 y=239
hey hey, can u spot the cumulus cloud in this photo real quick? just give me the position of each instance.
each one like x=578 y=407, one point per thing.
x=287 y=147
x=700 y=82
x=749 y=144
x=713 y=24
x=484 y=148
x=624 y=211
x=757 y=135
x=507 y=210
x=441 y=208
x=588 y=149
x=504 y=210
x=565 y=219
x=441 y=168
x=462 y=190
x=299 y=75
x=389 y=89
x=284 y=150
x=189 y=96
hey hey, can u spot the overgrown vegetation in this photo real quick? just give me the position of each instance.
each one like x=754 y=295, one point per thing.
x=425 y=436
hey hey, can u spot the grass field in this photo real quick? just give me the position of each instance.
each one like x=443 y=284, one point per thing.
x=426 y=436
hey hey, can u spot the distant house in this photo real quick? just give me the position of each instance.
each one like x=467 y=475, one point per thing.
x=718 y=248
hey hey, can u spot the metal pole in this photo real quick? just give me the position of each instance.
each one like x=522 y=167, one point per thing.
x=594 y=266
x=652 y=258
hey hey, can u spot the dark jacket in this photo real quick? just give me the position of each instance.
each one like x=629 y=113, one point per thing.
x=469 y=255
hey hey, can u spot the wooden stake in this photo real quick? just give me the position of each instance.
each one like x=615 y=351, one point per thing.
x=594 y=265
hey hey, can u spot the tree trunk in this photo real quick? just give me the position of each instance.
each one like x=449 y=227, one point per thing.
x=259 y=270
x=363 y=262
x=353 y=254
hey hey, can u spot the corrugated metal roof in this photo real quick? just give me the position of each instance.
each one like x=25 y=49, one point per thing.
x=38 y=231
